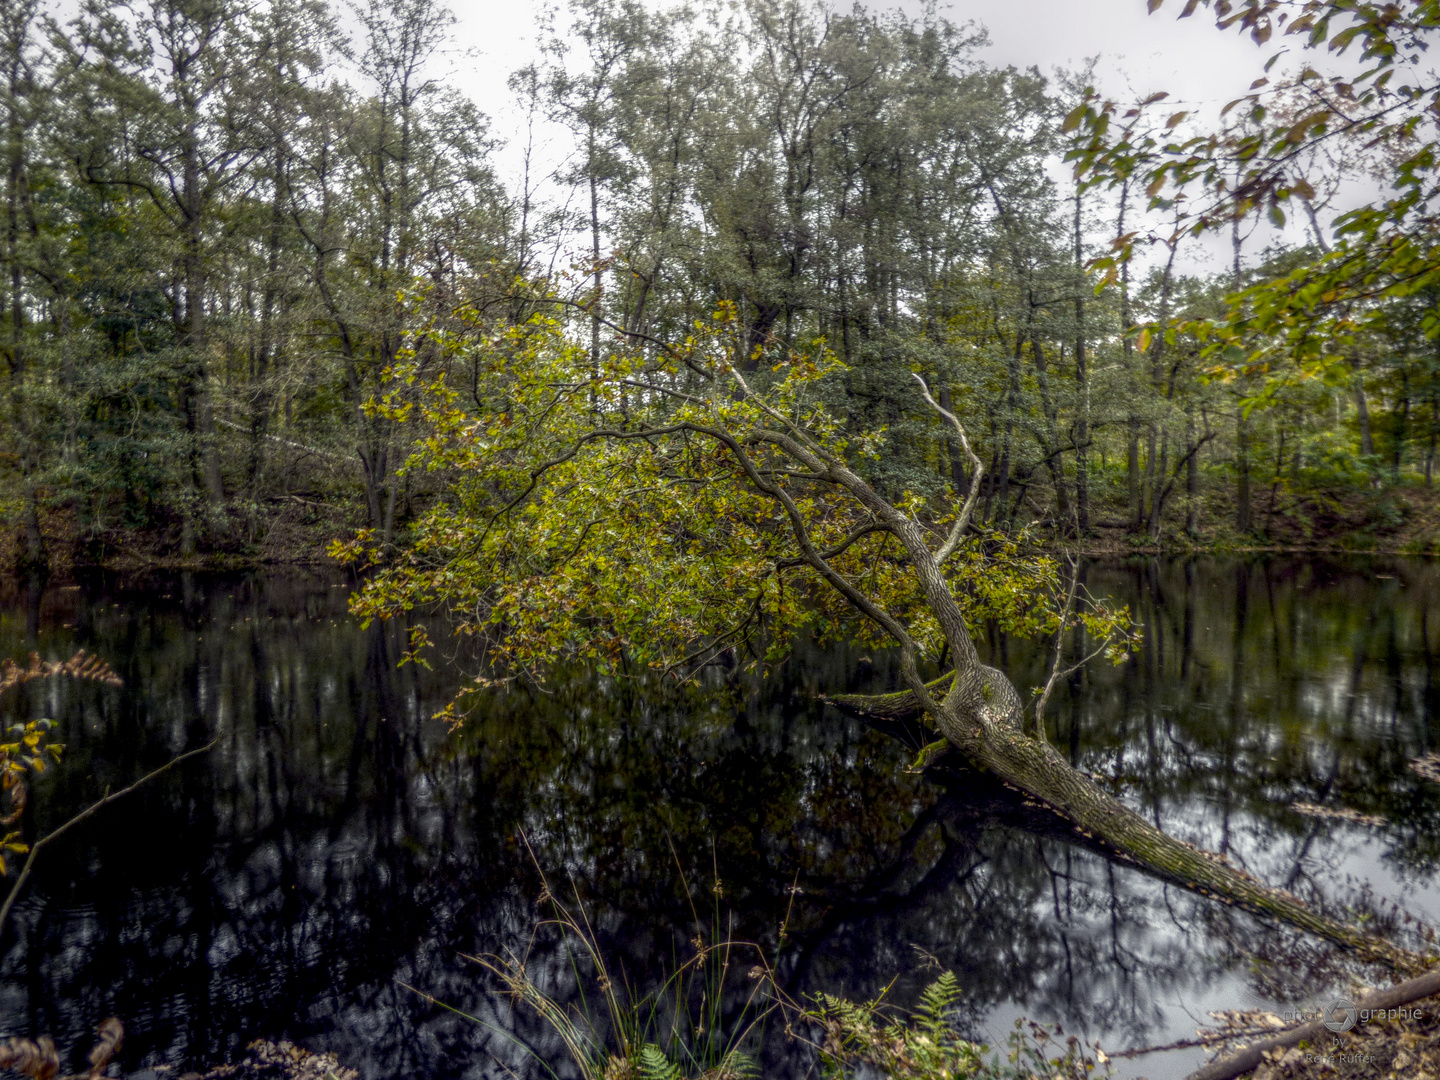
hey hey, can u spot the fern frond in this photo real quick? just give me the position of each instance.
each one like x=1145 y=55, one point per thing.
x=654 y=1065
x=939 y=998
x=79 y=666
x=734 y=1066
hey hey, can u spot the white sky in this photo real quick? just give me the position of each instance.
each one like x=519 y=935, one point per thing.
x=1191 y=59
x=1201 y=67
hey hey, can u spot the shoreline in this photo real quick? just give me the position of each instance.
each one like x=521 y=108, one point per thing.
x=299 y=533
x=230 y=562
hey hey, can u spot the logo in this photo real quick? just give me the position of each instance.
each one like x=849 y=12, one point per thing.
x=1340 y=1015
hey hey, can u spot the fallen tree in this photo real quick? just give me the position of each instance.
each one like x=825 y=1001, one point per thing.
x=659 y=509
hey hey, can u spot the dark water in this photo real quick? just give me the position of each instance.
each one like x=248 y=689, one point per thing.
x=338 y=842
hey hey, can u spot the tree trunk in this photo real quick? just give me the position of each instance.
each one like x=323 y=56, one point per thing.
x=1434 y=431
x=1134 y=503
x=260 y=398
x=1037 y=769
x=958 y=476
x=1242 y=424
x=1148 y=482
x=35 y=556
x=979 y=713
x=1054 y=459
x=1192 y=480
x=1402 y=424
x=1132 y=473
x=1242 y=472
x=1082 y=386
x=1362 y=411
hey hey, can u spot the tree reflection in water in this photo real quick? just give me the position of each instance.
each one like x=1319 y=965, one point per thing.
x=339 y=840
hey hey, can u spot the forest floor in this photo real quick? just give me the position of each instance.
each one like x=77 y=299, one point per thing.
x=1383 y=521
x=263 y=1060
x=296 y=530
x=1406 y=1049
x=293 y=531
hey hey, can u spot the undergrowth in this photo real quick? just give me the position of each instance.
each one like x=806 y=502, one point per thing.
x=709 y=1019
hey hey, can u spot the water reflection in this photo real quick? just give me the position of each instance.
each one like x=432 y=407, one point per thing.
x=338 y=841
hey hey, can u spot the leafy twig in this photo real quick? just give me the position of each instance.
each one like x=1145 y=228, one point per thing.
x=88 y=812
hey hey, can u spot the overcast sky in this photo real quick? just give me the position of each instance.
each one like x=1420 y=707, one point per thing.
x=1200 y=66
x=1189 y=58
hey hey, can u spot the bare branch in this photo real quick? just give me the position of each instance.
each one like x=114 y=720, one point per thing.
x=1055 y=674
x=89 y=811
x=962 y=522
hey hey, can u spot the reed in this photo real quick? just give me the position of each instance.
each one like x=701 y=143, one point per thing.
x=683 y=1029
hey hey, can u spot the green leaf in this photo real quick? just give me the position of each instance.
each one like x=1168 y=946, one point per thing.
x=654 y=1065
x=939 y=998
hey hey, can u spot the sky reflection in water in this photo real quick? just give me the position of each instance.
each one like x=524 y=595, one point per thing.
x=338 y=841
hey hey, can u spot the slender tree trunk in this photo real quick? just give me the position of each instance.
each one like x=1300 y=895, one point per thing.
x=594 y=254
x=1279 y=468
x=1242 y=423
x=260 y=396
x=1362 y=410
x=1157 y=499
x=1054 y=459
x=1134 y=501
x=199 y=413
x=1192 y=479
x=1132 y=472
x=1242 y=472
x=34 y=557
x=958 y=476
x=1082 y=386
x=1434 y=431
x=1148 y=482
x=1402 y=424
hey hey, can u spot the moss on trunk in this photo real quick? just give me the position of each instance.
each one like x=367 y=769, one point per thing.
x=1035 y=768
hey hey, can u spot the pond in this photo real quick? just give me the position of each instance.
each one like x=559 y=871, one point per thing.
x=329 y=866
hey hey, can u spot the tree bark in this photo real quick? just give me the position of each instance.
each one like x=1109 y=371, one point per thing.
x=1036 y=768
x=1082 y=385
x=1192 y=479
x=1362 y=411
x=1248 y=1057
x=1242 y=472
x=981 y=715
x=958 y=476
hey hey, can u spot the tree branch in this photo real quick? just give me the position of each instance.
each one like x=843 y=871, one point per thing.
x=962 y=522
x=88 y=812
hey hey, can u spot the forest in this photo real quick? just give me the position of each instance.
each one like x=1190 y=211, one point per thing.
x=241 y=240
x=800 y=492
